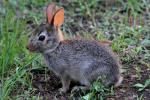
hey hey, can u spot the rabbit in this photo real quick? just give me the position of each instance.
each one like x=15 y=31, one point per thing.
x=75 y=59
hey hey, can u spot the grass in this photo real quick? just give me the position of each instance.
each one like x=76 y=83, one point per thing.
x=126 y=24
x=14 y=59
x=141 y=87
x=98 y=92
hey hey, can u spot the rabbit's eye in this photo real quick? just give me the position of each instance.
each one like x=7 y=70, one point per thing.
x=41 y=38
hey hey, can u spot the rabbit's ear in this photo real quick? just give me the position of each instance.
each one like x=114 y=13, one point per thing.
x=58 y=17
x=50 y=12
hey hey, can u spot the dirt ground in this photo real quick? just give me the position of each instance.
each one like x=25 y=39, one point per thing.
x=48 y=87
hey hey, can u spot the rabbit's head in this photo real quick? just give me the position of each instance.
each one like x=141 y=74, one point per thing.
x=48 y=36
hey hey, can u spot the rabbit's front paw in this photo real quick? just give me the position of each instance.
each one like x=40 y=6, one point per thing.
x=79 y=88
x=75 y=89
x=62 y=90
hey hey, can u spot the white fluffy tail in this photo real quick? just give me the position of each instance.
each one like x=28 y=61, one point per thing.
x=119 y=81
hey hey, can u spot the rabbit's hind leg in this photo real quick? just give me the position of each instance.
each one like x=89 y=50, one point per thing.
x=113 y=80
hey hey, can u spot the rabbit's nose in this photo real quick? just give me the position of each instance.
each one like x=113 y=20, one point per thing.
x=31 y=47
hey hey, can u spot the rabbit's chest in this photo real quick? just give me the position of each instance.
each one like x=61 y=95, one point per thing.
x=54 y=63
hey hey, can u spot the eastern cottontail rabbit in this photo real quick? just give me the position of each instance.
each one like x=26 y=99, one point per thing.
x=80 y=60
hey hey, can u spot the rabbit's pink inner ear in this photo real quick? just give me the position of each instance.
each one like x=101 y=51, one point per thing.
x=50 y=12
x=59 y=18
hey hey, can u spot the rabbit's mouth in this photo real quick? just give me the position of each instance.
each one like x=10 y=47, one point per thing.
x=31 y=47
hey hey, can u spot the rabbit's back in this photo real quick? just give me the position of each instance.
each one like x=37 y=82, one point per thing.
x=86 y=50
